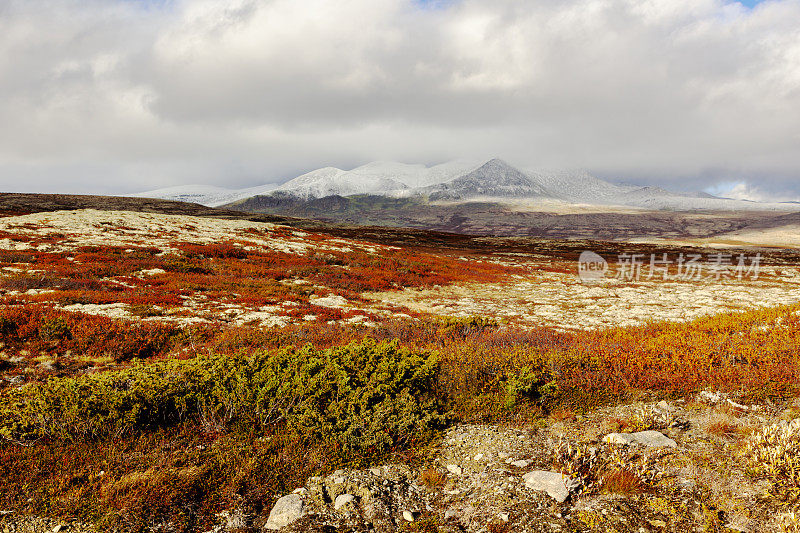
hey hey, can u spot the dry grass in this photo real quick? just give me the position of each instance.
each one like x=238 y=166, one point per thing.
x=621 y=481
x=562 y=415
x=728 y=429
x=432 y=478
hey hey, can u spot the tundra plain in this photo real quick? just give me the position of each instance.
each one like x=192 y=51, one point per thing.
x=173 y=372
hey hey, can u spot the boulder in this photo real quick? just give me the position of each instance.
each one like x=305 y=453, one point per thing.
x=649 y=439
x=342 y=500
x=286 y=510
x=555 y=484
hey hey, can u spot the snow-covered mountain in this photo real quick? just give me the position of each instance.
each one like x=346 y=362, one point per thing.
x=493 y=179
x=330 y=181
x=205 y=194
x=463 y=181
x=578 y=187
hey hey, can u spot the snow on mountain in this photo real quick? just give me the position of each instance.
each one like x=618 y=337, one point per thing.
x=204 y=194
x=494 y=179
x=380 y=177
x=582 y=187
x=578 y=187
x=415 y=176
x=330 y=181
x=464 y=180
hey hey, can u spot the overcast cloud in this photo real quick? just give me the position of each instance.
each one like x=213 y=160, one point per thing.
x=123 y=96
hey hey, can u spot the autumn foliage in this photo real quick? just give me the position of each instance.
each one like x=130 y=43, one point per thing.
x=187 y=415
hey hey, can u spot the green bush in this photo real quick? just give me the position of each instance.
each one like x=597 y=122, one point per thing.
x=464 y=326
x=365 y=396
x=54 y=329
x=523 y=384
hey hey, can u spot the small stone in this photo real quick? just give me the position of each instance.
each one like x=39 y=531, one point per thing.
x=375 y=471
x=556 y=485
x=711 y=397
x=450 y=513
x=658 y=523
x=478 y=457
x=504 y=517
x=286 y=510
x=342 y=500
x=339 y=480
x=454 y=469
x=650 y=439
x=521 y=464
x=408 y=516
x=234 y=519
x=59 y=528
x=300 y=490
x=502 y=455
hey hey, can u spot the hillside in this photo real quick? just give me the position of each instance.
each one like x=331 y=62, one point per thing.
x=512 y=219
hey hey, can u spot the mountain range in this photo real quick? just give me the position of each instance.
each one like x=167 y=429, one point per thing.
x=461 y=181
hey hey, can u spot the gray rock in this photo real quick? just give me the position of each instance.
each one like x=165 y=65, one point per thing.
x=521 y=464
x=408 y=516
x=342 y=500
x=650 y=439
x=556 y=485
x=286 y=510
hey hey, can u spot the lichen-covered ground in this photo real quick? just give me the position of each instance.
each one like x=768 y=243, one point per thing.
x=534 y=368
x=206 y=270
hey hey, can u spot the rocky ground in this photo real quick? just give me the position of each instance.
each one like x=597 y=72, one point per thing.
x=666 y=466
x=641 y=467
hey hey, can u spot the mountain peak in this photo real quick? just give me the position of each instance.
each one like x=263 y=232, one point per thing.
x=495 y=178
x=461 y=180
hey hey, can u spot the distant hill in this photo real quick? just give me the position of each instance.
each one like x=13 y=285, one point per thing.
x=458 y=181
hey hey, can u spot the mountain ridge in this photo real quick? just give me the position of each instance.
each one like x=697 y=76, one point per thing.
x=464 y=180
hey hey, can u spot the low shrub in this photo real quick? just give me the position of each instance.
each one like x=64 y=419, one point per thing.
x=368 y=397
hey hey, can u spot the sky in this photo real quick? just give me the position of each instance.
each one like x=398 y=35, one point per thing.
x=122 y=96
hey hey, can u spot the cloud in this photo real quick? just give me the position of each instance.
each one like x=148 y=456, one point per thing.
x=123 y=96
x=753 y=193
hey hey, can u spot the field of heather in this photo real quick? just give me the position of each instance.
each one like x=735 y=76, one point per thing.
x=158 y=370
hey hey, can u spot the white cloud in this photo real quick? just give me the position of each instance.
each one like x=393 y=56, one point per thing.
x=110 y=95
x=746 y=191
